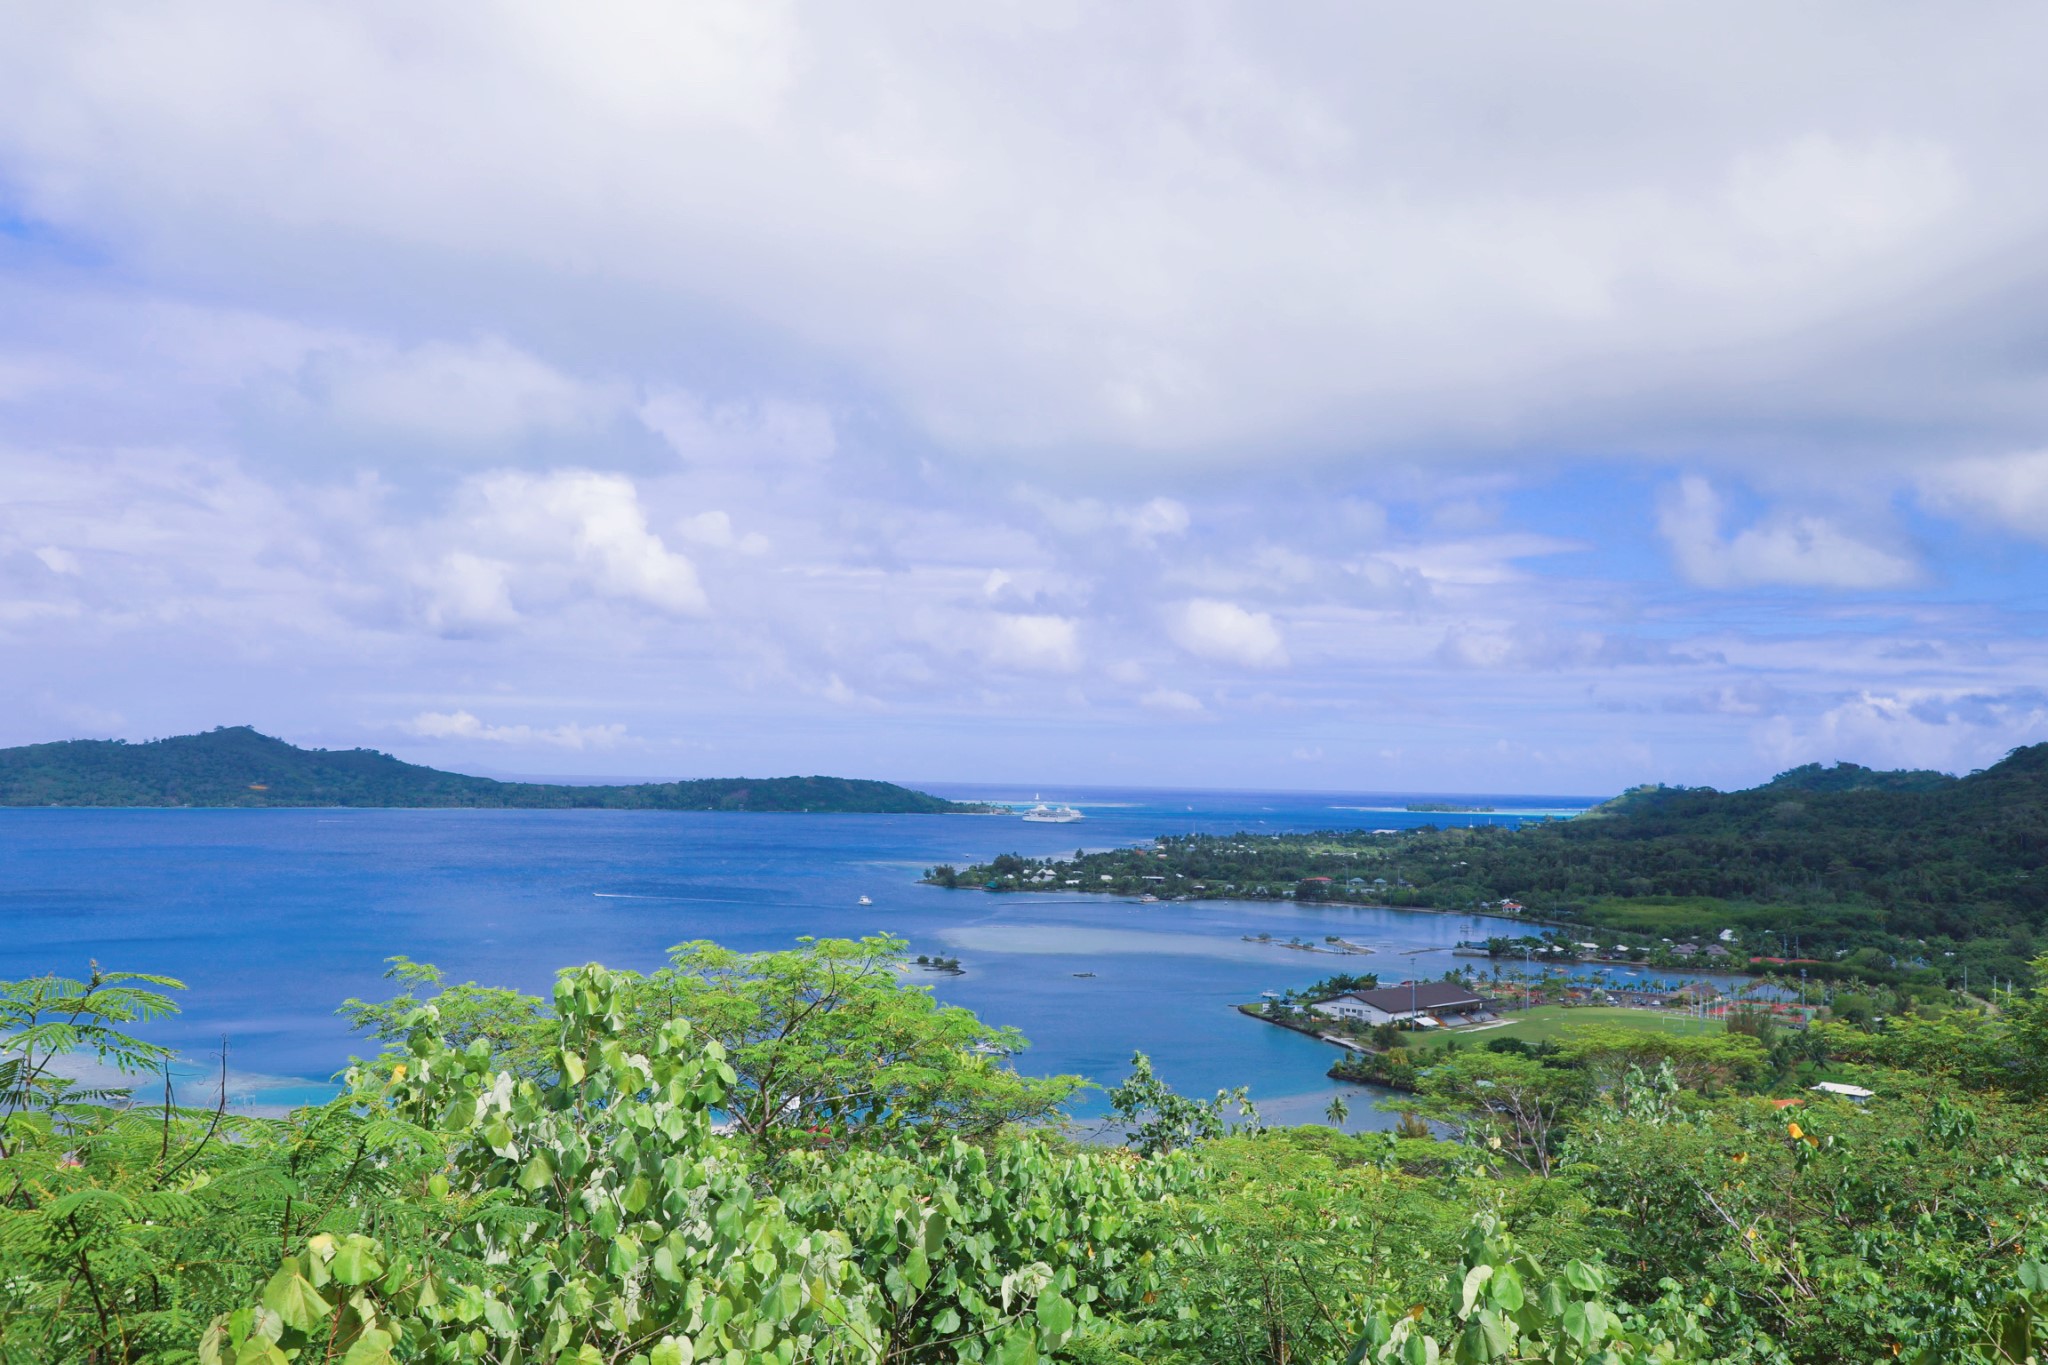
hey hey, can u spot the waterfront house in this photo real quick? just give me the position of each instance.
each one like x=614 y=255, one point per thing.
x=1428 y=1003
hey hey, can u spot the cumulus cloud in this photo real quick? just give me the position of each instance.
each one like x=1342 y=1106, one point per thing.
x=1953 y=730
x=464 y=725
x=2009 y=490
x=1036 y=642
x=1226 y=633
x=1790 y=550
x=568 y=530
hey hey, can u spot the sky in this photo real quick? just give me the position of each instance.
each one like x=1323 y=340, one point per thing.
x=1328 y=396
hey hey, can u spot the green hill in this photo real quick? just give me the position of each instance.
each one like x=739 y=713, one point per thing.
x=238 y=767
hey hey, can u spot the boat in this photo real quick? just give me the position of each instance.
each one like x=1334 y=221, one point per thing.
x=1042 y=814
x=865 y=901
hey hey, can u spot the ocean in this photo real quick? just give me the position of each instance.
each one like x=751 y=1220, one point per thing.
x=274 y=917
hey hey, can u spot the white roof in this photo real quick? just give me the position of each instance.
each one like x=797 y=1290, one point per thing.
x=1854 y=1092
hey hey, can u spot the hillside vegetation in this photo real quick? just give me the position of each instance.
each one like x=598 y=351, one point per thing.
x=239 y=767
x=795 y=1156
x=1917 y=871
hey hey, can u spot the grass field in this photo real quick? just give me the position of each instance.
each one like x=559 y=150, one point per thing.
x=1548 y=1021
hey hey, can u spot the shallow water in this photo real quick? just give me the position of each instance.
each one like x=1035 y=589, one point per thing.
x=275 y=917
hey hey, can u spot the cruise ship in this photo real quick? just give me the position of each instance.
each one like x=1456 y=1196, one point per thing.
x=1043 y=814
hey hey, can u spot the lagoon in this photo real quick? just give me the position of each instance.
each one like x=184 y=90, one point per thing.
x=274 y=917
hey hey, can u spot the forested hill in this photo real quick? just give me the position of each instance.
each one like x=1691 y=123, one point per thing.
x=239 y=767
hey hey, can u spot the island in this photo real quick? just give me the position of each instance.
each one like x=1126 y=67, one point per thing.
x=1910 y=881
x=236 y=766
x=1445 y=808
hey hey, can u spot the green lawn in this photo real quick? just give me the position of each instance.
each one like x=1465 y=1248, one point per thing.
x=1548 y=1021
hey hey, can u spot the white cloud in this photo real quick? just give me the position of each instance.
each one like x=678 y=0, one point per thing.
x=1037 y=642
x=464 y=725
x=484 y=391
x=2010 y=490
x=1824 y=198
x=464 y=591
x=1171 y=701
x=57 y=559
x=1953 y=730
x=1792 y=550
x=1129 y=672
x=1226 y=633
x=1144 y=523
x=1159 y=517
x=575 y=524
x=715 y=530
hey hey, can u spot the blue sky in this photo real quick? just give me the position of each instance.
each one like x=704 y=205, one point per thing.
x=1351 y=398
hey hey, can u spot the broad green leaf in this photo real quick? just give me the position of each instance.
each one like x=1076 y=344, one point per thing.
x=1584 y=1277
x=672 y=1351
x=1475 y=1280
x=1506 y=1290
x=373 y=1347
x=1055 y=1316
x=499 y=1316
x=356 y=1260
x=1419 y=1350
x=293 y=1298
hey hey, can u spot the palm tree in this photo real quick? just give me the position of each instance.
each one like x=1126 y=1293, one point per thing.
x=1337 y=1111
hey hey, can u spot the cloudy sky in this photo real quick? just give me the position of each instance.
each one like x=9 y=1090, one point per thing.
x=1339 y=396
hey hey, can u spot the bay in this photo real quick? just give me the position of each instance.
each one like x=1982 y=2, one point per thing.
x=273 y=917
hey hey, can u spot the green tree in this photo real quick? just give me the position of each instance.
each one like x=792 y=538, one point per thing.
x=1156 y=1118
x=1515 y=1106
x=827 y=1041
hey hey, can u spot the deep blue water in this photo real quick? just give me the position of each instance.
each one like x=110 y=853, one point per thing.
x=274 y=917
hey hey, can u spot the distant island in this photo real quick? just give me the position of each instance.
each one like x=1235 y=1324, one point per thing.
x=1446 y=808
x=237 y=766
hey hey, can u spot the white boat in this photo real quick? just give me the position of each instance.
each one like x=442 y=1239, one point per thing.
x=865 y=901
x=1043 y=814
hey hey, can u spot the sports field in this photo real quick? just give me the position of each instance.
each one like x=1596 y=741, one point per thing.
x=1549 y=1021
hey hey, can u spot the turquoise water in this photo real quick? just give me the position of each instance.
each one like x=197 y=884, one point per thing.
x=274 y=917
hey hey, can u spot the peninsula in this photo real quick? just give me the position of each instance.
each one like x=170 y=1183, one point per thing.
x=236 y=766
x=1885 y=876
